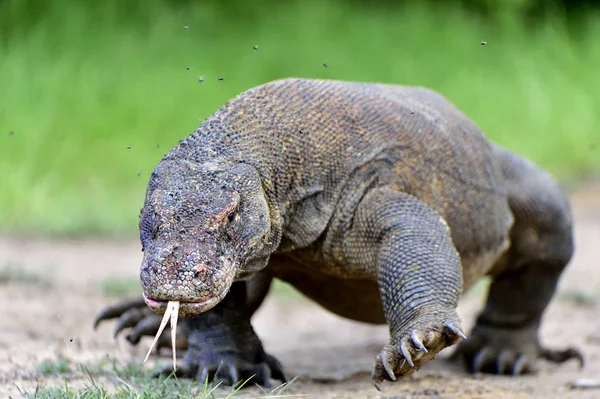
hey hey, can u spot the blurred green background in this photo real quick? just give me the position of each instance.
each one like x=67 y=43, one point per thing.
x=92 y=94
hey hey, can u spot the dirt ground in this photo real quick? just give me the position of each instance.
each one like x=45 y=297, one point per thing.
x=333 y=356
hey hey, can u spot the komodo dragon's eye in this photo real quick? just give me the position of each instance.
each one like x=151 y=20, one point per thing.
x=231 y=217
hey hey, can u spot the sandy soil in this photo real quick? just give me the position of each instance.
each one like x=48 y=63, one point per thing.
x=332 y=355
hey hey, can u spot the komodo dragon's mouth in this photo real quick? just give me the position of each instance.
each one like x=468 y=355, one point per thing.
x=185 y=308
x=171 y=310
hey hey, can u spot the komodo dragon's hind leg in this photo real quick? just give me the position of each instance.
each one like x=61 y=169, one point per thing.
x=505 y=337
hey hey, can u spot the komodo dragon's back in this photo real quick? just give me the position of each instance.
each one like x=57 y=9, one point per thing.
x=317 y=134
x=379 y=202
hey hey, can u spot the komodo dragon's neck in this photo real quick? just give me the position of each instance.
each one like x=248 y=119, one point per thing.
x=232 y=136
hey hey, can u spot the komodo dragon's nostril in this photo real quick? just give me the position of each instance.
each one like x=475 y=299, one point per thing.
x=200 y=270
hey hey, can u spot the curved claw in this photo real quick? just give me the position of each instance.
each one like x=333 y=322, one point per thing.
x=117 y=310
x=386 y=366
x=451 y=329
x=128 y=319
x=233 y=376
x=406 y=355
x=275 y=369
x=205 y=375
x=520 y=366
x=147 y=326
x=560 y=356
x=376 y=386
x=263 y=375
x=481 y=359
x=417 y=342
x=503 y=361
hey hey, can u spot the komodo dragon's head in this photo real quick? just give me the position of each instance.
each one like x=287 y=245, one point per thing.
x=201 y=228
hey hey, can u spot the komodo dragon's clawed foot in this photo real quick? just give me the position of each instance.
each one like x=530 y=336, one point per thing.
x=414 y=349
x=117 y=310
x=229 y=368
x=508 y=351
x=135 y=315
x=223 y=346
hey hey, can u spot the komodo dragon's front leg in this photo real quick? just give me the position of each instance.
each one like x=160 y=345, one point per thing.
x=407 y=245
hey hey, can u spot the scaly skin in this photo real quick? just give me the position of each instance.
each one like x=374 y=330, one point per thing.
x=382 y=203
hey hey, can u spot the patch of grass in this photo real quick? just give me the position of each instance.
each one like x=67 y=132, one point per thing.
x=11 y=273
x=105 y=367
x=119 y=286
x=132 y=382
x=54 y=367
x=579 y=298
x=110 y=367
x=284 y=290
x=93 y=95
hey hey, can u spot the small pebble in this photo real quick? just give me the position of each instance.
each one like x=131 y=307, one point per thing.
x=585 y=383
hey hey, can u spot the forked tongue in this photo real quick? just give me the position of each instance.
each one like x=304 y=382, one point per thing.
x=173 y=311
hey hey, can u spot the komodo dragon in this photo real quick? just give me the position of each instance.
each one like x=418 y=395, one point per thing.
x=381 y=203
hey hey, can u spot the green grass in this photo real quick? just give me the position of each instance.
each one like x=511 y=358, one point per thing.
x=579 y=298
x=119 y=286
x=56 y=367
x=81 y=82
x=13 y=273
x=131 y=382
